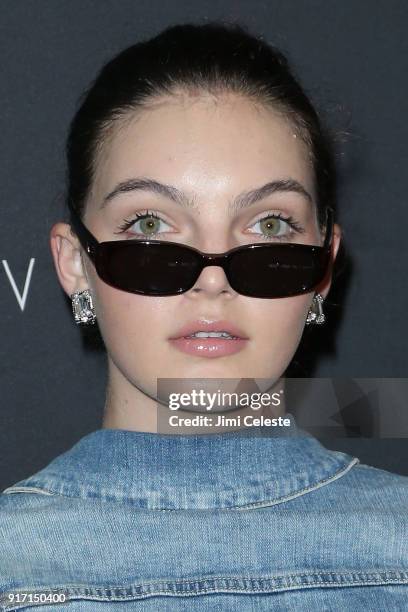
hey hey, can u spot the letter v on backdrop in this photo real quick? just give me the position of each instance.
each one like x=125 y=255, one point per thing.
x=21 y=298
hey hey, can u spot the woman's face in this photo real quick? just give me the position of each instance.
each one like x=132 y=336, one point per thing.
x=211 y=151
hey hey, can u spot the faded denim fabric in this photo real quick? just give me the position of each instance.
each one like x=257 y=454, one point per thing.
x=242 y=520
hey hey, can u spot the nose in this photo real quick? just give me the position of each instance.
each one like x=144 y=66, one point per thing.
x=212 y=281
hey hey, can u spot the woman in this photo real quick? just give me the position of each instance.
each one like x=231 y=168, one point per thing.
x=186 y=149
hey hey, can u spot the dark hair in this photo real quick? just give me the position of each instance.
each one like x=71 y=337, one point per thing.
x=213 y=57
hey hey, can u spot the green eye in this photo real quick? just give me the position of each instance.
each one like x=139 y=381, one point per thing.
x=149 y=225
x=270 y=225
x=275 y=226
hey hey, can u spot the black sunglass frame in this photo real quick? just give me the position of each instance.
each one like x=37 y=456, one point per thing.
x=92 y=245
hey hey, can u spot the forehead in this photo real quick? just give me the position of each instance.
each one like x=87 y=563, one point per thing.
x=203 y=143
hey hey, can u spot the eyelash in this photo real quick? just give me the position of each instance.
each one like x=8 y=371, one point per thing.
x=146 y=214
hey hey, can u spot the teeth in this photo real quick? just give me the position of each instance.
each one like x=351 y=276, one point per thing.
x=211 y=335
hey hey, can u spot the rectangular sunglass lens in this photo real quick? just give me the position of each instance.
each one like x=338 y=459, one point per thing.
x=149 y=269
x=277 y=270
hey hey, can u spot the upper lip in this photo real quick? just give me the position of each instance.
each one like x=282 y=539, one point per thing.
x=209 y=326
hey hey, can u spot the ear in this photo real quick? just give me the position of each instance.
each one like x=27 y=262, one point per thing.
x=66 y=252
x=325 y=285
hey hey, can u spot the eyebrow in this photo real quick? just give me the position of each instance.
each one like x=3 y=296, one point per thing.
x=244 y=199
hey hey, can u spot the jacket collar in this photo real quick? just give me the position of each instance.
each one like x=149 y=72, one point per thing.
x=251 y=467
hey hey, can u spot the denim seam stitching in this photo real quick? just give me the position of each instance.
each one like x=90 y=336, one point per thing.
x=336 y=575
x=91 y=593
x=27 y=489
x=291 y=496
x=262 y=503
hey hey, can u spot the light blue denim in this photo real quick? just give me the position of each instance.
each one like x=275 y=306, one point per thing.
x=232 y=521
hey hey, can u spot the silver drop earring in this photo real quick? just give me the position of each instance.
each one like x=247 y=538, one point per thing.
x=316 y=314
x=82 y=307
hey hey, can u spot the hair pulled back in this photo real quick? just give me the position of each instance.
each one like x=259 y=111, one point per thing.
x=214 y=58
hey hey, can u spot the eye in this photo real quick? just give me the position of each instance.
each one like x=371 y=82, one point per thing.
x=276 y=226
x=150 y=224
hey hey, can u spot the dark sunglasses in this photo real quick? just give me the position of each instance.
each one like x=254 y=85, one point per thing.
x=159 y=267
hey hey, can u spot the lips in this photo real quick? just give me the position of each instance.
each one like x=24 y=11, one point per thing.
x=203 y=325
x=211 y=347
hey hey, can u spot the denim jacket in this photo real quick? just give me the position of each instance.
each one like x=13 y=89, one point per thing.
x=242 y=520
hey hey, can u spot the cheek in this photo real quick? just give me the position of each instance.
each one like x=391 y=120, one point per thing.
x=279 y=323
x=130 y=321
x=277 y=326
x=133 y=327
